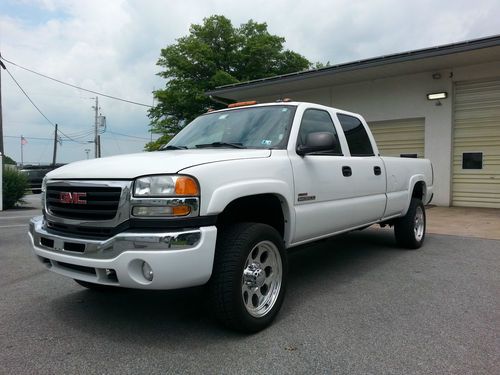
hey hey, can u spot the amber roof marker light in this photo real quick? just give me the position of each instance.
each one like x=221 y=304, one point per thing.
x=241 y=104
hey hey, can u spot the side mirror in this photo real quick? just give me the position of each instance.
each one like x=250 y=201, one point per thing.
x=318 y=141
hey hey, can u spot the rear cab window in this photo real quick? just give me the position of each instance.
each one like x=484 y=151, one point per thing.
x=357 y=138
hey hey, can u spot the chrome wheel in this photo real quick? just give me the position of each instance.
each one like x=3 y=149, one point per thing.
x=419 y=226
x=261 y=279
x=410 y=229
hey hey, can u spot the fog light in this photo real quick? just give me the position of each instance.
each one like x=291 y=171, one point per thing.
x=161 y=211
x=147 y=271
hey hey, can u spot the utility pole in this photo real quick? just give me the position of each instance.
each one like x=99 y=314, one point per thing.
x=153 y=104
x=96 y=134
x=55 y=148
x=22 y=146
x=2 y=66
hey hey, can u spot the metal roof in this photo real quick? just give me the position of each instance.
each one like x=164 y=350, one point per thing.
x=436 y=54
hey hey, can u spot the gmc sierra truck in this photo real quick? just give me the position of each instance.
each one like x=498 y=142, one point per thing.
x=222 y=202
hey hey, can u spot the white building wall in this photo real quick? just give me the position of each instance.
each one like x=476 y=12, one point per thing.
x=403 y=97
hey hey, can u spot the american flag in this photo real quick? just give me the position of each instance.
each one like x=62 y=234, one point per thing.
x=23 y=140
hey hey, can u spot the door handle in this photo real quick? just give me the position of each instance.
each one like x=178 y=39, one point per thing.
x=347 y=171
x=377 y=170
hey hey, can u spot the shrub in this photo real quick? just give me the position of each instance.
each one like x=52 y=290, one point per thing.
x=15 y=185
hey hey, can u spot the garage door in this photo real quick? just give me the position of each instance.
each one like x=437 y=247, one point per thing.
x=399 y=137
x=476 y=147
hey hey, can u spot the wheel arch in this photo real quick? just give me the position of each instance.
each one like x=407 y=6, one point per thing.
x=266 y=208
x=417 y=189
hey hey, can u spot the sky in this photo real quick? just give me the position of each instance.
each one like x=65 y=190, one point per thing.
x=112 y=47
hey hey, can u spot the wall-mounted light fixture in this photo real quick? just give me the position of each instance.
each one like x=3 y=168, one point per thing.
x=437 y=95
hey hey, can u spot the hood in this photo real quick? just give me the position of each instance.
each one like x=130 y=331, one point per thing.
x=134 y=165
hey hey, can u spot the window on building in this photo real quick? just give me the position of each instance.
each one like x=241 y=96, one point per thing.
x=408 y=156
x=316 y=120
x=472 y=160
x=355 y=133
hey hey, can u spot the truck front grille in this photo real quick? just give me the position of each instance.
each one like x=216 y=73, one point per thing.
x=97 y=203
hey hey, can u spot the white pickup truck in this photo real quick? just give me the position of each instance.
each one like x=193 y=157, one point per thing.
x=223 y=201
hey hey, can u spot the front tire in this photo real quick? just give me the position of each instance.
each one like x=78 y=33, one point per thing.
x=410 y=229
x=249 y=276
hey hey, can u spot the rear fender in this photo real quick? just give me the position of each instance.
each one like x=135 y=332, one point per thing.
x=414 y=180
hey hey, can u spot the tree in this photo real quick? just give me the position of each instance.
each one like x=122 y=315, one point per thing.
x=8 y=160
x=214 y=53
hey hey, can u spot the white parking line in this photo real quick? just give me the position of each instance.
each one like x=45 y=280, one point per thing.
x=13 y=226
x=14 y=217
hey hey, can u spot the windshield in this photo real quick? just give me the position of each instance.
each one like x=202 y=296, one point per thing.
x=255 y=127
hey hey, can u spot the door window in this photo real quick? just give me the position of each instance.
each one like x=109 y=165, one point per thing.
x=316 y=120
x=355 y=133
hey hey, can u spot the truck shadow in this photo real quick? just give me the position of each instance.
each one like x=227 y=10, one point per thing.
x=167 y=318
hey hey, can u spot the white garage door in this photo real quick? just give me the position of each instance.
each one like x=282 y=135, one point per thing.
x=476 y=148
x=399 y=137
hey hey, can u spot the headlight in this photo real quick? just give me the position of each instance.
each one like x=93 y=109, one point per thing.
x=165 y=186
x=165 y=195
x=44 y=184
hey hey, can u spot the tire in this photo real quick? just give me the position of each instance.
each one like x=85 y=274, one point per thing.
x=410 y=229
x=96 y=287
x=249 y=276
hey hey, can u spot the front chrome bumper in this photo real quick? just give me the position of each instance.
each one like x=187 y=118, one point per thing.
x=178 y=258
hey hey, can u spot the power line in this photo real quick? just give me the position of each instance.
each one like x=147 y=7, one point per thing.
x=82 y=135
x=74 y=86
x=24 y=92
x=34 y=105
x=127 y=135
x=122 y=139
x=28 y=138
x=78 y=133
x=41 y=139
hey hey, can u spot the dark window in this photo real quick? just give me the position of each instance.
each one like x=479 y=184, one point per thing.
x=408 y=155
x=316 y=120
x=355 y=132
x=472 y=160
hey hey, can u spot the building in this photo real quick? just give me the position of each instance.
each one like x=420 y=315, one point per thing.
x=442 y=103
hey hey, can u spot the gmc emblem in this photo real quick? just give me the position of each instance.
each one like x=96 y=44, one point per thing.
x=75 y=198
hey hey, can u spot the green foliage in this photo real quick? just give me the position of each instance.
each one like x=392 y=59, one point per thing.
x=155 y=145
x=320 y=65
x=7 y=160
x=15 y=185
x=214 y=53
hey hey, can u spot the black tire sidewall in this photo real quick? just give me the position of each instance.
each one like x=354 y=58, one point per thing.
x=404 y=227
x=253 y=234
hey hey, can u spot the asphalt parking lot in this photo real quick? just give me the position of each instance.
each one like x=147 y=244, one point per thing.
x=355 y=305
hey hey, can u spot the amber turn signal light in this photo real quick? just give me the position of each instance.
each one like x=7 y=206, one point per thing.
x=186 y=186
x=241 y=104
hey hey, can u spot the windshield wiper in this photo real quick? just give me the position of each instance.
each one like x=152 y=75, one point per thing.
x=170 y=147
x=221 y=144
